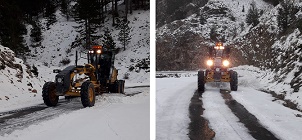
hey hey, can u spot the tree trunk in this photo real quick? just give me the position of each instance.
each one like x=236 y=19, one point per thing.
x=124 y=42
x=113 y=13
x=102 y=11
x=126 y=8
x=86 y=31
x=130 y=6
x=116 y=9
x=105 y=2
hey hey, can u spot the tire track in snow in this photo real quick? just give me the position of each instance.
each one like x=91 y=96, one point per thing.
x=20 y=119
x=248 y=119
x=198 y=127
x=221 y=119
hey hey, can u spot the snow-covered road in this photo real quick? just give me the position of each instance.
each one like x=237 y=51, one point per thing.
x=244 y=114
x=114 y=116
x=224 y=123
x=172 y=103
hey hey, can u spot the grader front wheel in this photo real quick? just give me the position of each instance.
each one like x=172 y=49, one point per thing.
x=87 y=94
x=49 y=94
x=201 y=82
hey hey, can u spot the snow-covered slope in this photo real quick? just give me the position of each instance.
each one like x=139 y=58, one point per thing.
x=279 y=52
x=19 y=86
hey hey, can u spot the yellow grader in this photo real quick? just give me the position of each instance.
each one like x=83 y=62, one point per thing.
x=218 y=68
x=85 y=81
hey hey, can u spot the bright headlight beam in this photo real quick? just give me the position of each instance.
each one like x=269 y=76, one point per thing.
x=98 y=51
x=226 y=63
x=210 y=62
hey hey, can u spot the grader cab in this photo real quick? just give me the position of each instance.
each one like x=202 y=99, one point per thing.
x=97 y=76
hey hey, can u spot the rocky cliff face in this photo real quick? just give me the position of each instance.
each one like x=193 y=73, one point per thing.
x=168 y=11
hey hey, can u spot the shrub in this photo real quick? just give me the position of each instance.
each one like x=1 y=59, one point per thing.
x=126 y=76
x=65 y=61
x=131 y=68
x=2 y=66
x=35 y=71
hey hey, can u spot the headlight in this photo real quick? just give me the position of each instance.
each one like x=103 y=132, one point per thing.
x=226 y=63
x=210 y=62
x=59 y=80
x=98 y=51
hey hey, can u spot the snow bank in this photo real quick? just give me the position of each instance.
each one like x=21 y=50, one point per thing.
x=267 y=80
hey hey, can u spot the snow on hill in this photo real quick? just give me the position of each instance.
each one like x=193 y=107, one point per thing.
x=279 y=52
x=225 y=15
x=19 y=86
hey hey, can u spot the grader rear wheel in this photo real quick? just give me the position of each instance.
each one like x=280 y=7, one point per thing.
x=234 y=80
x=120 y=86
x=87 y=94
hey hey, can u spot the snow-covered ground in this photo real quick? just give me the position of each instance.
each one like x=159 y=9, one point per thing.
x=266 y=80
x=172 y=102
x=112 y=117
x=225 y=124
x=280 y=120
x=173 y=98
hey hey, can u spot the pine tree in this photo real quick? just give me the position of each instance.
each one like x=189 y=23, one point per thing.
x=36 y=34
x=243 y=9
x=252 y=17
x=124 y=34
x=213 y=34
x=202 y=20
x=286 y=14
x=87 y=14
x=35 y=71
x=108 y=40
x=65 y=8
x=12 y=28
x=50 y=11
